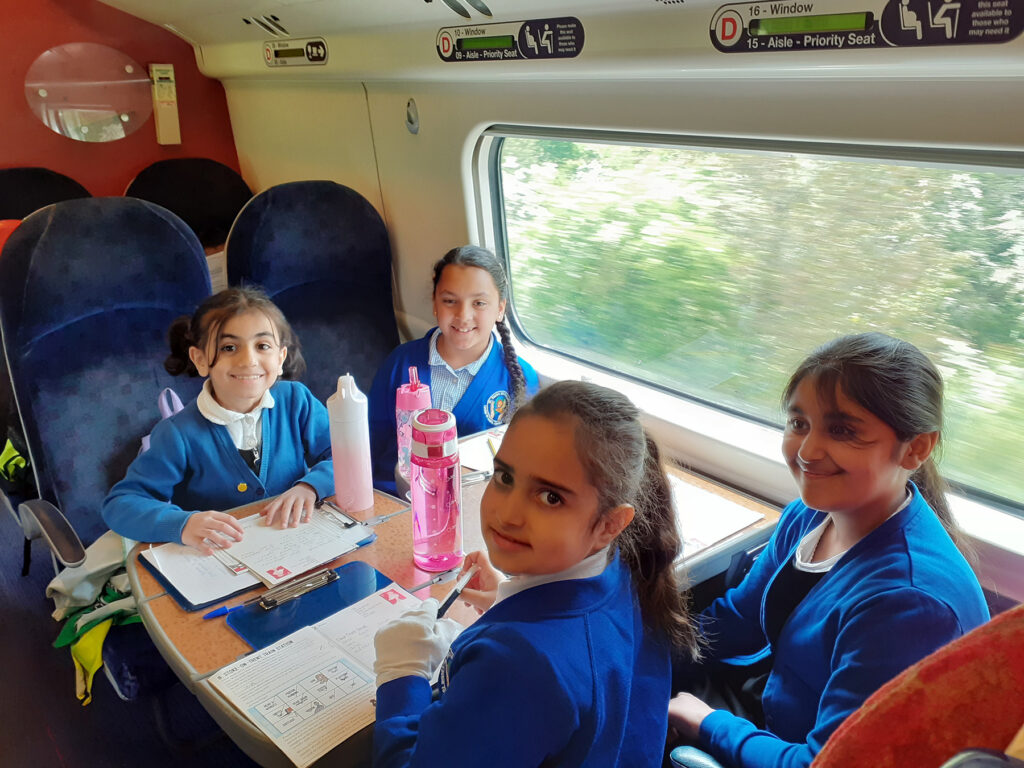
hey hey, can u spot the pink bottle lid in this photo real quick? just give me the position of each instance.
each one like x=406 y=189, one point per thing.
x=434 y=434
x=413 y=396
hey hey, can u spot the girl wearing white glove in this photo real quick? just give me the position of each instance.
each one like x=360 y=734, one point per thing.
x=570 y=663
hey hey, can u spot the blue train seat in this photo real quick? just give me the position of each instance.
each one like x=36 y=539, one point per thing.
x=205 y=194
x=24 y=190
x=321 y=252
x=88 y=289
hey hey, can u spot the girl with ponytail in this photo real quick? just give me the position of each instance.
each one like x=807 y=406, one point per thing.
x=570 y=663
x=471 y=373
x=862 y=577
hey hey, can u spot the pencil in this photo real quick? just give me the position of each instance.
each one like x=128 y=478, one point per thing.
x=464 y=579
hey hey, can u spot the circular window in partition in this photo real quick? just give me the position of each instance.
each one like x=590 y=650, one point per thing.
x=88 y=92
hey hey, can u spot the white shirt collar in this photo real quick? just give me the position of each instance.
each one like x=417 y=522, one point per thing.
x=805 y=551
x=586 y=568
x=436 y=359
x=218 y=414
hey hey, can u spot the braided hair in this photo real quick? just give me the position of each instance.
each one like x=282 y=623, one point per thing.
x=475 y=256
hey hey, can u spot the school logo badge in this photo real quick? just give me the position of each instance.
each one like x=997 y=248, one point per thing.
x=497 y=406
x=444 y=675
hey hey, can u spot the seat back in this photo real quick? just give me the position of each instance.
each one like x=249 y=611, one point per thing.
x=965 y=695
x=205 y=194
x=24 y=190
x=321 y=252
x=88 y=289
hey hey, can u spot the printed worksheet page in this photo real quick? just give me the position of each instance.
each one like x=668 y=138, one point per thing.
x=313 y=689
x=199 y=578
x=304 y=692
x=278 y=554
x=353 y=628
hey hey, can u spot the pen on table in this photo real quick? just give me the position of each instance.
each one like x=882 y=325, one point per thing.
x=476 y=476
x=381 y=518
x=225 y=610
x=491 y=447
x=441 y=578
x=460 y=585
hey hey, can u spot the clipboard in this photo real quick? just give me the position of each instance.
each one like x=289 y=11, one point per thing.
x=181 y=599
x=260 y=627
x=186 y=605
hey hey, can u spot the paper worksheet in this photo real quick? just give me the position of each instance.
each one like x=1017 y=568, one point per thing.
x=314 y=688
x=477 y=451
x=278 y=554
x=198 y=578
x=705 y=518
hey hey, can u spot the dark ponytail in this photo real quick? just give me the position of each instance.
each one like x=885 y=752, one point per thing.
x=623 y=464
x=475 y=256
x=896 y=382
x=209 y=318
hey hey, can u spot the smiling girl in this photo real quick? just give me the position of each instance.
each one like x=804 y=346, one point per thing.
x=862 y=576
x=248 y=436
x=570 y=663
x=470 y=372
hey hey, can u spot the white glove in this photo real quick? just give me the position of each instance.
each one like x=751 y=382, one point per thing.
x=413 y=644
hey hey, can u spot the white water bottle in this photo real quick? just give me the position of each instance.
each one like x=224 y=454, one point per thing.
x=348 y=412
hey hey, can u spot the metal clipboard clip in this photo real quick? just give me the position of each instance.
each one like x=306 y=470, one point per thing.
x=336 y=514
x=282 y=593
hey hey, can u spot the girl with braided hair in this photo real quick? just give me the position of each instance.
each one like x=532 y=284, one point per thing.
x=471 y=373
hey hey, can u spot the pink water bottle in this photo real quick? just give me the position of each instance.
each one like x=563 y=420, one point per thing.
x=409 y=400
x=436 y=491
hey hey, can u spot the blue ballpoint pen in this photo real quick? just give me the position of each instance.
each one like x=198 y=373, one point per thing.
x=222 y=611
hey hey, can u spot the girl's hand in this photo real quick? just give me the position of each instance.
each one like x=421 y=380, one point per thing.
x=292 y=507
x=482 y=589
x=685 y=714
x=413 y=644
x=211 y=530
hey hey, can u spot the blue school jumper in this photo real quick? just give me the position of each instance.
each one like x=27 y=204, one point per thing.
x=561 y=674
x=192 y=465
x=900 y=593
x=481 y=407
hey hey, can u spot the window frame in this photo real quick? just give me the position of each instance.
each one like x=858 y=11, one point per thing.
x=735 y=449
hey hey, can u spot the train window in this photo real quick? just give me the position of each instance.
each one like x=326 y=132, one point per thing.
x=709 y=271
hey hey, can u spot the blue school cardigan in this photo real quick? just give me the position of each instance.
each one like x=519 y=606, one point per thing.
x=561 y=674
x=900 y=593
x=480 y=408
x=192 y=465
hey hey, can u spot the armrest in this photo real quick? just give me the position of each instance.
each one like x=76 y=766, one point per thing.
x=691 y=757
x=41 y=518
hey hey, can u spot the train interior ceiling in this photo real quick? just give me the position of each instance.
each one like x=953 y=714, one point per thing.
x=458 y=119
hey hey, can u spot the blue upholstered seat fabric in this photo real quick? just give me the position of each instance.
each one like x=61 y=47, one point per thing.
x=88 y=289
x=321 y=252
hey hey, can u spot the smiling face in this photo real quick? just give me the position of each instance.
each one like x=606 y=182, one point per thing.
x=246 y=360
x=466 y=305
x=539 y=511
x=844 y=458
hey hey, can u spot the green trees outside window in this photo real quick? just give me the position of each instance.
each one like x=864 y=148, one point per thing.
x=712 y=272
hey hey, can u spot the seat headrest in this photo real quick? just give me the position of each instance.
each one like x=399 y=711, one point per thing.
x=206 y=194
x=24 y=190
x=76 y=258
x=299 y=232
